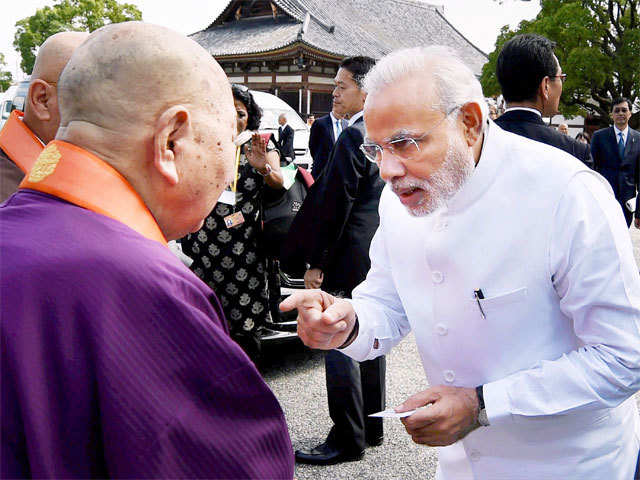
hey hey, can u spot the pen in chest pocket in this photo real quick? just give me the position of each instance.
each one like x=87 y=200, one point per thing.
x=479 y=296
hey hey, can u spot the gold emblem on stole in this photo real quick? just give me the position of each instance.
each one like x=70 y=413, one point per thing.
x=45 y=165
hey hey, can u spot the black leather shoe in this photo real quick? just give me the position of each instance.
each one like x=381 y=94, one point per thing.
x=375 y=442
x=325 y=454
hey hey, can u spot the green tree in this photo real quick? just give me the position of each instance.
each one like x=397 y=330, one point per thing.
x=67 y=15
x=597 y=44
x=5 y=77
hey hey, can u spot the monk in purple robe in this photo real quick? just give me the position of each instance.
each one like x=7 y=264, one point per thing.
x=116 y=359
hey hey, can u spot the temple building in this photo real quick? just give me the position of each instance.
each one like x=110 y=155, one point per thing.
x=292 y=48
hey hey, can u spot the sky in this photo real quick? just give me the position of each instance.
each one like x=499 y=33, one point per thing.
x=478 y=20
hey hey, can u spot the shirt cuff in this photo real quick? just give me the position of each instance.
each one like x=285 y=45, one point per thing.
x=496 y=402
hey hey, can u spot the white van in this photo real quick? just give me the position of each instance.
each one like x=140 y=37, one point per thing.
x=14 y=98
x=272 y=107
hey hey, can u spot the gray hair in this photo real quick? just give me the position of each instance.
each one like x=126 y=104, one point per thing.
x=454 y=83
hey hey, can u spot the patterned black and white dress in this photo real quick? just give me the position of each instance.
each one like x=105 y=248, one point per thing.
x=231 y=260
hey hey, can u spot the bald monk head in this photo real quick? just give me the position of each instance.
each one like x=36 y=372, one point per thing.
x=158 y=108
x=41 y=113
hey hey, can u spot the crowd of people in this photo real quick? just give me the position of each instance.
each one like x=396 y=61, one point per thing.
x=498 y=241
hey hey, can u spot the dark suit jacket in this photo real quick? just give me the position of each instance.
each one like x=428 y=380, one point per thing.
x=530 y=125
x=622 y=173
x=285 y=142
x=340 y=214
x=10 y=177
x=321 y=142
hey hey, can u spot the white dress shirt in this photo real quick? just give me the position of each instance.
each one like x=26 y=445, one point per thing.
x=625 y=134
x=526 y=109
x=558 y=347
x=335 y=124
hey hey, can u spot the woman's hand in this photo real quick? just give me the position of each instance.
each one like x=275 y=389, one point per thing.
x=257 y=153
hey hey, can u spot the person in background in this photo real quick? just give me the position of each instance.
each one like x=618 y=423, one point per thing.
x=563 y=128
x=24 y=136
x=227 y=251
x=531 y=80
x=116 y=359
x=310 y=120
x=285 y=139
x=322 y=137
x=616 y=153
x=338 y=229
x=532 y=348
x=583 y=137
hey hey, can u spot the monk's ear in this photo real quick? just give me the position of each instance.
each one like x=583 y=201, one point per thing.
x=172 y=133
x=471 y=116
x=39 y=98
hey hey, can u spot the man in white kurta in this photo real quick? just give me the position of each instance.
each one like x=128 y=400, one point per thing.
x=521 y=281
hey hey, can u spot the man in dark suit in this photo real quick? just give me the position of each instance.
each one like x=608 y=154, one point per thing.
x=616 y=153
x=285 y=139
x=324 y=133
x=531 y=81
x=340 y=216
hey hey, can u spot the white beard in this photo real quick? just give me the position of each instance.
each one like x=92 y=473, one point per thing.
x=442 y=184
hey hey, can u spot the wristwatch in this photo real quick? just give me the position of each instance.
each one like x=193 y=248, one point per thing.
x=483 y=420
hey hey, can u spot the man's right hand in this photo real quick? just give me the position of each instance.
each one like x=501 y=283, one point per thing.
x=324 y=321
x=636 y=222
x=313 y=278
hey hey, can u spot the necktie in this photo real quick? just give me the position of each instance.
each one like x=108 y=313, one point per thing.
x=621 y=145
x=338 y=128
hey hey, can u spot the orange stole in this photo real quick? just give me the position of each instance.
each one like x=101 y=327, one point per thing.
x=19 y=143
x=79 y=177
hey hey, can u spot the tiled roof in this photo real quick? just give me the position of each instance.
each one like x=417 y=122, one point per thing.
x=343 y=28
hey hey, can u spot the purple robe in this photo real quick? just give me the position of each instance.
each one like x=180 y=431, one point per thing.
x=116 y=360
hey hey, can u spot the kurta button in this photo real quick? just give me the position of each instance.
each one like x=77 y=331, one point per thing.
x=475 y=456
x=441 y=226
x=449 y=376
x=437 y=277
x=441 y=329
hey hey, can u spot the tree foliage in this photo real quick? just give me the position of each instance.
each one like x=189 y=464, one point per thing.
x=5 y=77
x=67 y=15
x=597 y=44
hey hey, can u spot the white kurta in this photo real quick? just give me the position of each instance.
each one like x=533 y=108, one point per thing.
x=559 y=350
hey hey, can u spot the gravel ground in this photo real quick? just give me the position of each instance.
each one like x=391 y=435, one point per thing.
x=296 y=375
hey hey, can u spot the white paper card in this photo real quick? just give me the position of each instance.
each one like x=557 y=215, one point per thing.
x=391 y=413
x=228 y=197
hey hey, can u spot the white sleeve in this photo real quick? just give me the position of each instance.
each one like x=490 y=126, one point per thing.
x=595 y=275
x=382 y=319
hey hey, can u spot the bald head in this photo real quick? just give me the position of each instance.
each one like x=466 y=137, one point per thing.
x=158 y=108
x=128 y=72
x=54 y=54
x=41 y=111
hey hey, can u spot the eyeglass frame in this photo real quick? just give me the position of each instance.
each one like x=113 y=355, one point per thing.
x=562 y=77
x=414 y=141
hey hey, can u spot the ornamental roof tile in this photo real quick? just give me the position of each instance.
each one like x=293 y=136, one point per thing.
x=342 y=28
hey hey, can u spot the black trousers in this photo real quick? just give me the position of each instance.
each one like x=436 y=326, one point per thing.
x=628 y=216
x=354 y=390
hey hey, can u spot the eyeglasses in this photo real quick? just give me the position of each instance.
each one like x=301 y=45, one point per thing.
x=562 y=77
x=404 y=147
x=620 y=110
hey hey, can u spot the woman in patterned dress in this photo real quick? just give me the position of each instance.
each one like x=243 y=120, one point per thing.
x=231 y=260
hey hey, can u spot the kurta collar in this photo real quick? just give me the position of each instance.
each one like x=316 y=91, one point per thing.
x=483 y=175
x=73 y=174
x=20 y=144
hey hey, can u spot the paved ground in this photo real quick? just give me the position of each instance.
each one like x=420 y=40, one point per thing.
x=296 y=375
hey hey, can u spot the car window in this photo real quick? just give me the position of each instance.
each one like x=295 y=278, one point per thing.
x=6 y=108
